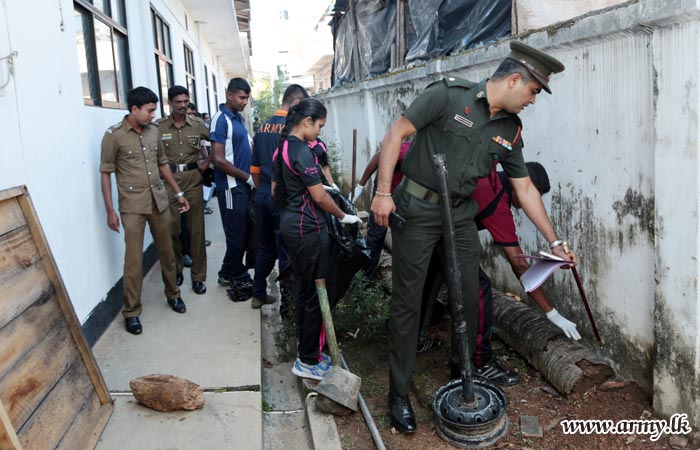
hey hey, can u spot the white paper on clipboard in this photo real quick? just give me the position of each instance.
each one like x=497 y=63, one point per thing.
x=538 y=273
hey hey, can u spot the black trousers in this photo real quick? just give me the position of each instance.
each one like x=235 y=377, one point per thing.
x=309 y=257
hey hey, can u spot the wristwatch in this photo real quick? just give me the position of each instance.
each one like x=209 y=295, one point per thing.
x=179 y=194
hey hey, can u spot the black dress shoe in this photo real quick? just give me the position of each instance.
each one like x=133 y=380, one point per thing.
x=179 y=279
x=198 y=287
x=133 y=325
x=402 y=416
x=177 y=305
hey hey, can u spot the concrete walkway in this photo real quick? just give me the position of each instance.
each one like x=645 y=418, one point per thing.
x=216 y=344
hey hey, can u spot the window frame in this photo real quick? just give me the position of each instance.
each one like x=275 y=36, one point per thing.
x=216 y=90
x=206 y=89
x=86 y=9
x=190 y=76
x=163 y=51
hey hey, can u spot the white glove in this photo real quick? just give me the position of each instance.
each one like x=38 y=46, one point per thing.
x=250 y=182
x=335 y=186
x=358 y=191
x=332 y=189
x=349 y=219
x=568 y=327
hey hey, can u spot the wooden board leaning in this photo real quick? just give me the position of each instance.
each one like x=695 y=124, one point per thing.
x=52 y=394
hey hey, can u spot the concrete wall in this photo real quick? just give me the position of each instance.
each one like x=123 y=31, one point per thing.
x=619 y=139
x=51 y=140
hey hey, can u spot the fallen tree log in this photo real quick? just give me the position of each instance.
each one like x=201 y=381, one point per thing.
x=566 y=364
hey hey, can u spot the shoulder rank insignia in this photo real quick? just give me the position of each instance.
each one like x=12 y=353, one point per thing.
x=114 y=127
x=502 y=142
x=464 y=120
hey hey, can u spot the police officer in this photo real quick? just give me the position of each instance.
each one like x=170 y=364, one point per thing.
x=473 y=124
x=182 y=134
x=133 y=150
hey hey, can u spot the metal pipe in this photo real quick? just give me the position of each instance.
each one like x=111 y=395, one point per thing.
x=454 y=280
x=367 y=415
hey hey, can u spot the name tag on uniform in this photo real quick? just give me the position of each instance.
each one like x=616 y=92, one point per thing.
x=167 y=137
x=464 y=120
x=503 y=142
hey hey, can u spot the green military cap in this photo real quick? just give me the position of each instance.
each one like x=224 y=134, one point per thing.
x=538 y=63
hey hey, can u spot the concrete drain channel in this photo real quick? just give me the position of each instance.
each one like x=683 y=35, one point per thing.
x=289 y=420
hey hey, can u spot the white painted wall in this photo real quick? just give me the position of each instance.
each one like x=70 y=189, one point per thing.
x=619 y=138
x=51 y=140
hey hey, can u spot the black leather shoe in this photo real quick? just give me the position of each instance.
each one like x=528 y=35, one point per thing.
x=402 y=416
x=177 y=305
x=497 y=374
x=179 y=279
x=133 y=325
x=198 y=287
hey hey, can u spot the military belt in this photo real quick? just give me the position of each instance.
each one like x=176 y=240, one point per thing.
x=183 y=167
x=420 y=191
x=423 y=193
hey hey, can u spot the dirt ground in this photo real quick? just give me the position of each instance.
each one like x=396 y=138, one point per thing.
x=534 y=396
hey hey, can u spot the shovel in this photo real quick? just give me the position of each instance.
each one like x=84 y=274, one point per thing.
x=339 y=385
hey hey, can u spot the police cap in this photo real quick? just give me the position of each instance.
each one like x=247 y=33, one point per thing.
x=539 y=64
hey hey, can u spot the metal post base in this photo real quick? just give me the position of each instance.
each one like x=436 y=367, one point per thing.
x=470 y=426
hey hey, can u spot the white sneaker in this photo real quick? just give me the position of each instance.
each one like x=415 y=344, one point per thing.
x=326 y=360
x=315 y=372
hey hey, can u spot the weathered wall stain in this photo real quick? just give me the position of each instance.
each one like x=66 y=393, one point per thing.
x=578 y=218
x=673 y=359
x=638 y=206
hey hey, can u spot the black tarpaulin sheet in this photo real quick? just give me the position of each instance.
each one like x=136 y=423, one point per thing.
x=433 y=28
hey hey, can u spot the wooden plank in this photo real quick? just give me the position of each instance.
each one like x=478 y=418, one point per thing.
x=28 y=383
x=88 y=425
x=63 y=298
x=17 y=252
x=11 y=216
x=22 y=290
x=27 y=330
x=8 y=437
x=53 y=417
x=12 y=192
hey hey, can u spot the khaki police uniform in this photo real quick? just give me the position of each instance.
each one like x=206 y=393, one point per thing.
x=451 y=117
x=134 y=159
x=182 y=147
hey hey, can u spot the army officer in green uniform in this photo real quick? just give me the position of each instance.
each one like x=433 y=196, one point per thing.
x=182 y=134
x=475 y=125
x=133 y=151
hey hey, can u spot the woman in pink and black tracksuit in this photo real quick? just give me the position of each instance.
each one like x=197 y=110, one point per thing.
x=298 y=189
